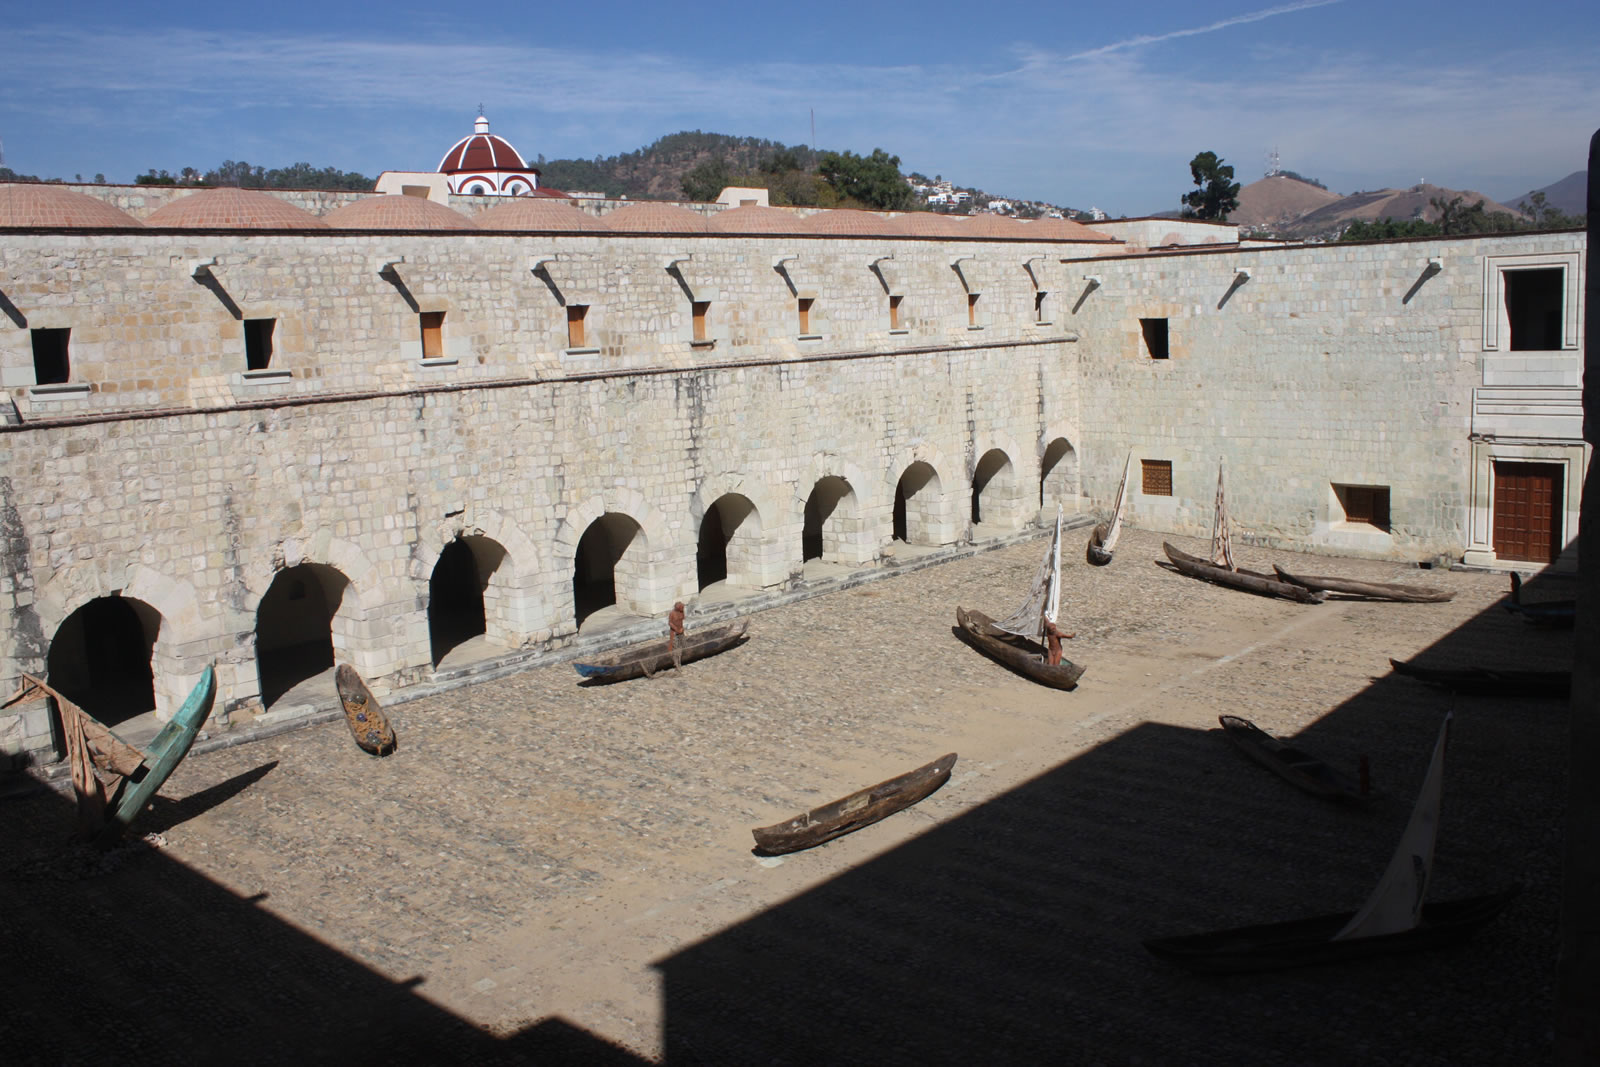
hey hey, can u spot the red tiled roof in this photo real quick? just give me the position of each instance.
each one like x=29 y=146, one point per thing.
x=754 y=218
x=846 y=223
x=933 y=224
x=40 y=204
x=481 y=151
x=1067 y=230
x=648 y=216
x=529 y=214
x=232 y=209
x=987 y=225
x=392 y=212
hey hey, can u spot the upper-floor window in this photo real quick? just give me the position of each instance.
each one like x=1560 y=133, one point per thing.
x=894 y=312
x=258 y=343
x=1530 y=302
x=803 y=307
x=700 y=309
x=972 y=309
x=432 y=334
x=1534 y=302
x=1155 y=337
x=50 y=363
x=576 y=313
x=1041 y=306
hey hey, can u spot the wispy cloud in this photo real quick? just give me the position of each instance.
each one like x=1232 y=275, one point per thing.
x=1195 y=31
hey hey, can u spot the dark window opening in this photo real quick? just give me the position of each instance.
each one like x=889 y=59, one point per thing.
x=1365 y=505
x=972 y=309
x=575 y=330
x=1155 y=337
x=455 y=599
x=700 y=309
x=804 y=308
x=258 y=343
x=1039 y=306
x=432 y=334
x=894 y=312
x=1156 y=476
x=1534 y=305
x=50 y=363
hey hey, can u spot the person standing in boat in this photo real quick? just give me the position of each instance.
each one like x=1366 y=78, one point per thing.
x=675 y=635
x=1053 y=637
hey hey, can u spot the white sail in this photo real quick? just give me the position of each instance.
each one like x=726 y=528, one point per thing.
x=1222 y=529
x=1396 y=905
x=1044 y=596
x=1116 y=513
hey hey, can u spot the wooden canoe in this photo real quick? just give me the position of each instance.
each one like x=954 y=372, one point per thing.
x=1025 y=657
x=363 y=714
x=851 y=813
x=1249 y=581
x=163 y=754
x=1306 y=942
x=642 y=660
x=1097 y=553
x=1484 y=681
x=1297 y=766
x=1551 y=614
x=1409 y=594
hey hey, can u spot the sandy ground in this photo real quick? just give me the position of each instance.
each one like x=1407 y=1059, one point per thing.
x=547 y=871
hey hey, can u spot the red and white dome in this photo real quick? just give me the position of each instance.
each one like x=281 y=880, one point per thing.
x=483 y=164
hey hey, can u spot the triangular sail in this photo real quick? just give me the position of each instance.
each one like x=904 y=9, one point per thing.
x=1396 y=905
x=1222 y=529
x=1110 y=541
x=1044 y=595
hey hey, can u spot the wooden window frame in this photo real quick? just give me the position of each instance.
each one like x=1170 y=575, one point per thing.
x=1155 y=477
x=700 y=311
x=972 y=309
x=1364 y=505
x=894 y=311
x=803 y=311
x=577 y=332
x=432 y=326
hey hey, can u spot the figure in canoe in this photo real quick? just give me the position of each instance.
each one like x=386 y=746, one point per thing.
x=675 y=635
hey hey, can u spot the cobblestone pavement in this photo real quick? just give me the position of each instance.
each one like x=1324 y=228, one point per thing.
x=539 y=850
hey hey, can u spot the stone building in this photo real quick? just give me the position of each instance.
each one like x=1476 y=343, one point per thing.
x=238 y=431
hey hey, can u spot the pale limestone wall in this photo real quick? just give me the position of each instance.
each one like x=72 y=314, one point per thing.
x=1149 y=233
x=1347 y=364
x=195 y=513
x=147 y=332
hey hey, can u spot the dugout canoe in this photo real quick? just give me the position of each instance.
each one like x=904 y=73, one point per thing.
x=1407 y=594
x=642 y=660
x=1486 y=681
x=162 y=755
x=1248 y=581
x=1025 y=657
x=848 y=814
x=1550 y=614
x=363 y=714
x=1308 y=942
x=1297 y=766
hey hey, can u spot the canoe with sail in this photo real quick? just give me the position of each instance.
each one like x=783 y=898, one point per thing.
x=1018 y=641
x=1103 y=541
x=1221 y=568
x=1395 y=918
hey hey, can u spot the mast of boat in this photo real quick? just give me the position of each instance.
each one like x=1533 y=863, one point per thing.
x=1110 y=541
x=1221 y=528
x=1043 y=602
x=1396 y=905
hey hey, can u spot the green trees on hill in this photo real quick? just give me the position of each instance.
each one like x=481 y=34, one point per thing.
x=869 y=181
x=1217 y=193
x=1456 y=218
x=243 y=175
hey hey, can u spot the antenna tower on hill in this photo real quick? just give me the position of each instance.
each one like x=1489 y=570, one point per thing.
x=1273 y=167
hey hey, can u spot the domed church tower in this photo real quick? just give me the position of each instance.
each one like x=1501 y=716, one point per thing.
x=482 y=164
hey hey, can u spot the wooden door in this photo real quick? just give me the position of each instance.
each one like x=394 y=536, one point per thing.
x=1527 y=511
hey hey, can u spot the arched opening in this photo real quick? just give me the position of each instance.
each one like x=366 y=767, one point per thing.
x=1058 y=474
x=915 y=498
x=99 y=658
x=830 y=502
x=294 y=627
x=456 y=592
x=991 y=482
x=602 y=552
x=728 y=536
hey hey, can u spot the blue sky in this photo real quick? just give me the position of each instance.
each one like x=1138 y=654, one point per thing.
x=1081 y=104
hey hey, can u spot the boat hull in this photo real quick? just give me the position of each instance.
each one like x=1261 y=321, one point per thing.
x=1407 y=594
x=1309 y=942
x=163 y=755
x=642 y=660
x=1304 y=770
x=1097 y=553
x=1482 y=681
x=1018 y=653
x=1248 y=581
x=363 y=714
x=850 y=813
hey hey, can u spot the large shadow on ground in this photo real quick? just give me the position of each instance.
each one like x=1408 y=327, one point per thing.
x=1013 y=933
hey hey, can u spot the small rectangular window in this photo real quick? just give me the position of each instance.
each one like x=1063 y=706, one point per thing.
x=575 y=331
x=1157 y=476
x=804 y=307
x=1155 y=337
x=50 y=363
x=894 y=312
x=1040 y=310
x=701 y=308
x=1534 y=308
x=1364 y=505
x=972 y=309
x=258 y=343
x=432 y=334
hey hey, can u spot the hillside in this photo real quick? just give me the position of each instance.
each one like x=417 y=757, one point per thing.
x=1569 y=195
x=1336 y=212
x=1278 y=201
x=656 y=171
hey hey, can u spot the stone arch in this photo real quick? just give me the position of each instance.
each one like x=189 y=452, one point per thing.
x=753 y=556
x=515 y=606
x=1058 y=477
x=923 y=512
x=182 y=647
x=647 y=587
x=295 y=636
x=997 y=496
x=610 y=557
x=100 y=657
x=839 y=523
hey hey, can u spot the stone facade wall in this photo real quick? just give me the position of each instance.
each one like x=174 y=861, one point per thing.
x=1333 y=364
